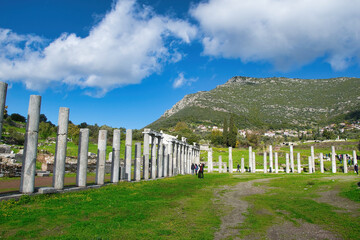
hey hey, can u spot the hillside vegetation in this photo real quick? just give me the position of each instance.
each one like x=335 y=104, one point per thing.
x=269 y=103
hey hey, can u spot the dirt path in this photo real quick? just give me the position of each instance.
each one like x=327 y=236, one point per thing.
x=232 y=197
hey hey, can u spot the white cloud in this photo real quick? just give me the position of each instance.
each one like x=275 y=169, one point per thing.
x=182 y=81
x=286 y=33
x=129 y=44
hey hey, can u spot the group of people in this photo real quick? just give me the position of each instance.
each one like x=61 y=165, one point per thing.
x=198 y=169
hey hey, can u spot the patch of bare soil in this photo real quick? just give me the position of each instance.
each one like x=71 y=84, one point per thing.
x=303 y=231
x=232 y=197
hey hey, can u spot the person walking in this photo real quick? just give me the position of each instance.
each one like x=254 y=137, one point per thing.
x=356 y=168
x=192 y=168
x=238 y=167
x=201 y=171
x=196 y=169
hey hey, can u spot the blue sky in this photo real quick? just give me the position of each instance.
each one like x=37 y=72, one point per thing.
x=124 y=63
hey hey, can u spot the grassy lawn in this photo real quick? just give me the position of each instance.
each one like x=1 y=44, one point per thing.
x=174 y=208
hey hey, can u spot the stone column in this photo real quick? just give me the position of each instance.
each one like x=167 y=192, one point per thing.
x=333 y=160
x=128 y=145
x=60 y=151
x=115 y=158
x=171 y=159
x=160 y=157
x=210 y=160
x=153 y=157
x=220 y=164
x=242 y=165
x=271 y=159
x=224 y=167
x=178 y=158
x=3 y=90
x=265 y=163
x=354 y=157
x=166 y=160
x=101 y=158
x=287 y=168
x=137 y=164
x=175 y=159
x=250 y=159
x=321 y=163
x=276 y=162
x=292 y=167
x=30 y=146
x=146 y=154
x=82 y=157
x=345 y=164
x=253 y=162
x=230 y=160
x=310 y=165
x=298 y=163
x=313 y=158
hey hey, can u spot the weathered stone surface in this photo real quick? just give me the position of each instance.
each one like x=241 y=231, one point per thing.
x=137 y=165
x=276 y=162
x=128 y=149
x=230 y=160
x=5 y=148
x=250 y=159
x=333 y=160
x=3 y=90
x=82 y=157
x=210 y=161
x=321 y=163
x=299 y=162
x=146 y=154
x=287 y=169
x=271 y=165
x=265 y=163
x=220 y=164
x=101 y=159
x=115 y=163
x=46 y=190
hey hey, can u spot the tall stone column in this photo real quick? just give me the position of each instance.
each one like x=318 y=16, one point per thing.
x=166 y=160
x=82 y=157
x=333 y=160
x=230 y=160
x=210 y=163
x=115 y=158
x=298 y=163
x=101 y=158
x=179 y=158
x=146 y=154
x=265 y=163
x=220 y=164
x=310 y=165
x=160 y=157
x=171 y=159
x=3 y=90
x=287 y=169
x=253 y=162
x=271 y=159
x=321 y=163
x=128 y=145
x=292 y=167
x=242 y=165
x=354 y=157
x=60 y=151
x=313 y=158
x=345 y=164
x=276 y=162
x=153 y=157
x=137 y=164
x=175 y=158
x=30 y=146
x=250 y=159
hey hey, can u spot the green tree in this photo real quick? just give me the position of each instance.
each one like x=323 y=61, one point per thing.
x=232 y=134
x=181 y=126
x=17 y=117
x=216 y=137
x=45 y=130
x=73 y=133
x=225 y=132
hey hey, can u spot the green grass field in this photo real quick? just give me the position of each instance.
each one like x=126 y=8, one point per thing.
x=180 y=207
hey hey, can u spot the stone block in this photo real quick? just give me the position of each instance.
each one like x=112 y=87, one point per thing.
x=45 y=190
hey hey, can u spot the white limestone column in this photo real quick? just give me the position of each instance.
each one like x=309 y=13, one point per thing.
x=160 y=157
x=224 y=167
x=321 y=163
x=128 y=145
x=271 y=159
x=82 y=157
x=253 y=162
x=310 y=165
x=137 y=161
x=210 y=164
x=298 y=163
x=153 y=157
x=265 y=163
x=179 y=158
x=292 y=167
x=345 y=164
x=3 y=91
x=242 y=165
x=146 y=154
x=166 y=160
x=101 y=158
x=276 y=162
x=27 y=182
x=230 y=160
x=313 y=158
x=220 y=164
x=115 y=161
x=171 y=159
x=175 y=158
x=354 y=157
x=287 y=168
x=250 y=159
x=60 y=151
x=333 y=160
